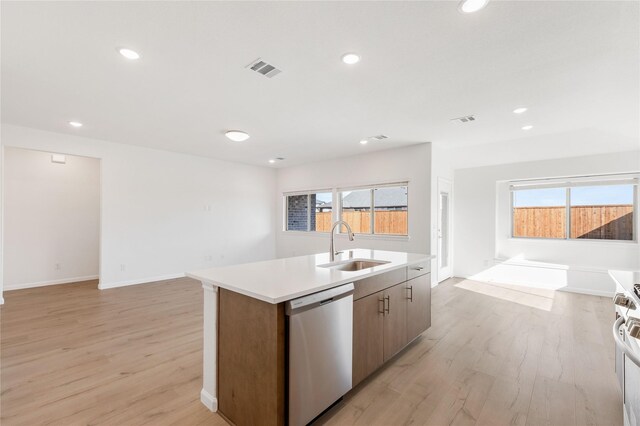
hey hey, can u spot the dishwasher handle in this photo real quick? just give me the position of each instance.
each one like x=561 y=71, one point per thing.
x=296 y=306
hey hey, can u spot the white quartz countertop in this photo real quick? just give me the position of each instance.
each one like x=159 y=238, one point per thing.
x=279 y=280
x=627 y=279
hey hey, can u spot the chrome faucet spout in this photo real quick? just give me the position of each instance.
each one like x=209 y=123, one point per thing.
x=332 y=251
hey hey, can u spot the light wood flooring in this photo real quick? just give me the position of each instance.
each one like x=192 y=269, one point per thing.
x=495 y=355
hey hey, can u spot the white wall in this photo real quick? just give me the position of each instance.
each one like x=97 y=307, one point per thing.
x=481 y=222
x=164 y=213
x=1 y=223
x=412 y=164
x=52 y=217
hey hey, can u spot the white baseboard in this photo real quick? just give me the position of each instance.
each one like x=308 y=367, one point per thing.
x=1 y=300
x=50 y=282
x=104 y=286
x=208 y=400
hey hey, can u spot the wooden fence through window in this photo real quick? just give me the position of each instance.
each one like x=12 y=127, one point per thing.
x=608 y=222
x=392 y=222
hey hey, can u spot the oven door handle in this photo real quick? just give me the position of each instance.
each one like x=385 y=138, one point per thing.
x=621 y=344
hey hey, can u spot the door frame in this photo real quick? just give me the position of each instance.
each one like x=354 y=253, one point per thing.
x=444 y=185
x=67 y=152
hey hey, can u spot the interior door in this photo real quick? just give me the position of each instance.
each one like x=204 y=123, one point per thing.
x=445 y=193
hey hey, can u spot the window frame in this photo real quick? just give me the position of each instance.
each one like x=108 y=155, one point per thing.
x=567 y=184
x=336 y=210
x=372 y=188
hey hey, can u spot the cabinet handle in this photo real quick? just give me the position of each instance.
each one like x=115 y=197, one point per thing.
x=410 y=288
x=388 y=299
x=382 y=311
x=418 y=268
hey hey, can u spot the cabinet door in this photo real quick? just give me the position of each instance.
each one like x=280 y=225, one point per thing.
x=418 y=306
x=395 y=320
x=367 y=336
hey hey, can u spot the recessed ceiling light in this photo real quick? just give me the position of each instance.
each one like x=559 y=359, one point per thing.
x=272 y=161
x=527 y=127
x=350 y=58
x=75 y=124
x=237 y=135
x=519 y=110
x=364 y=142
x=129 y=54
x=470 y=6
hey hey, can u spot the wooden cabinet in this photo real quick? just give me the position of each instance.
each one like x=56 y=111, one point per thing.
x=368 y=346
x=395 y=320
x=387 y=318
x=418 y=306
x=251 y=360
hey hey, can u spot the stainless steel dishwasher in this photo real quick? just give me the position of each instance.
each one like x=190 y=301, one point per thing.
x=320 y=351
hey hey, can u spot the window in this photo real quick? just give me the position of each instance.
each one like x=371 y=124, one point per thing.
x=602 y=212
x=586 y=209
x=380 y=210
x=356 y=210
x=309 y=211
x=540 y=213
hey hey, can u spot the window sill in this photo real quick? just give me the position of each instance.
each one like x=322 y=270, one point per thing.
x=344 y=236
x=577 y=241
x=377 y=237
x=305 y=233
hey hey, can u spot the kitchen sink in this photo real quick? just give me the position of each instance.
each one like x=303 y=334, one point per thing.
x=354 y=265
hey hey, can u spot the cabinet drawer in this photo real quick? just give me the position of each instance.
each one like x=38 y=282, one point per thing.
x=376 y=283
x=418 y=269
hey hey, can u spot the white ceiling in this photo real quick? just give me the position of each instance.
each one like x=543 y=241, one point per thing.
x=576 y=65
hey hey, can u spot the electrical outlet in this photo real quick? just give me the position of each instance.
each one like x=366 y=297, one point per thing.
x=207 y=207
x=57 y=266
x=123 y=267
x=208 y=258
x=486 y=263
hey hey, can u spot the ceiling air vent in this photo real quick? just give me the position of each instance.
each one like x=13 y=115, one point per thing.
x=264 y=68
x=465 y=119
x=379 y=137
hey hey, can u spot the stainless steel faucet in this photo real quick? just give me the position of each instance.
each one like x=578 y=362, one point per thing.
x=332 y=251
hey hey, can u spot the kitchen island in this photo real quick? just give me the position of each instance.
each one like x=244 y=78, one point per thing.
x=245 y=337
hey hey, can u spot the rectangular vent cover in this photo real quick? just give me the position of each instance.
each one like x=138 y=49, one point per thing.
x=465 y=119
x=264 y=68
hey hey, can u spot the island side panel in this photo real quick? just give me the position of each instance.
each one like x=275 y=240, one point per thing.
x=208 y=394
x=251 y=360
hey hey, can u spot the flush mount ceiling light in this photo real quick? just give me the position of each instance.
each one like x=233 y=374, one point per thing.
x=527 y=127
x=470 y=6
x=350 y=58
x=129 y=54
x=519 y=110
x=237 y=135
x=364 y=142
x=75 y=124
